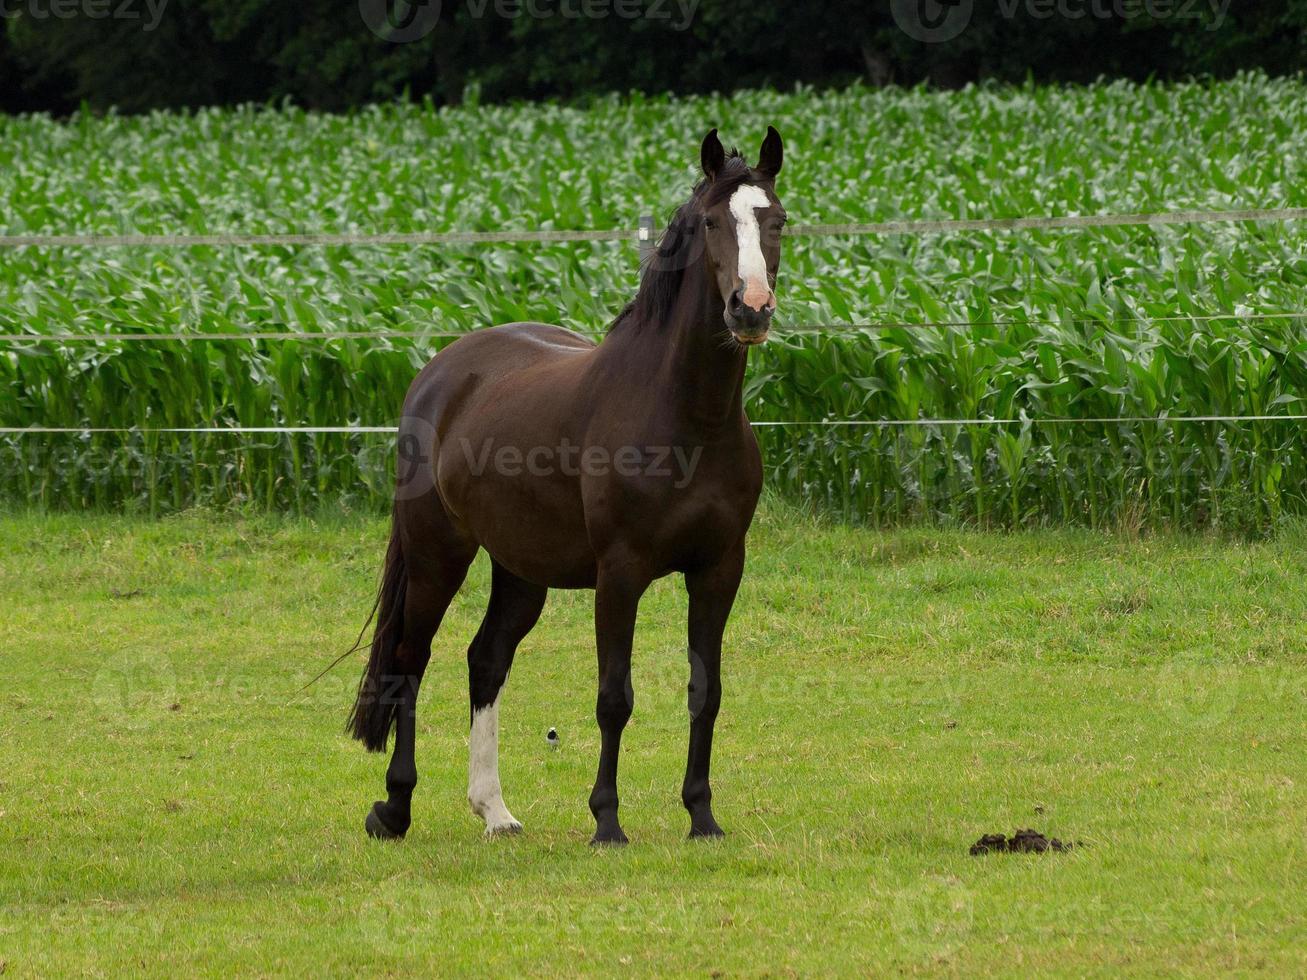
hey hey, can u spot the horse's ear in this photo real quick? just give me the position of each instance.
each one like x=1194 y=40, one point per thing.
x=772 y=155
x=712 y=156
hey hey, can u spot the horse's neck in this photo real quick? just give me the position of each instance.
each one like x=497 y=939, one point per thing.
x=692 y=361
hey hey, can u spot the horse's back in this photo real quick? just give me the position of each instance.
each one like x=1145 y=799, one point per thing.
x=502 y=355
x=511 y=345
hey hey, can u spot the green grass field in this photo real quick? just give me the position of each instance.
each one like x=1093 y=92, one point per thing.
x=171 y=801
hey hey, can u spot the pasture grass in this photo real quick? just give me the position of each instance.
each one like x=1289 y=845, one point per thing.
x=171 y=801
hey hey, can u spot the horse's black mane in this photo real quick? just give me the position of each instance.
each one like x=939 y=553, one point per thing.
x=660 y=282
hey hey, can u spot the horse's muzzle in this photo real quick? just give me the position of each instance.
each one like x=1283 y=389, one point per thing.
x=747 y=324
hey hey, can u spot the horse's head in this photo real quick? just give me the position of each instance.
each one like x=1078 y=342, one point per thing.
x=742 y=221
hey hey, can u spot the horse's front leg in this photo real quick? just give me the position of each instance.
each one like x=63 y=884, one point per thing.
x=617 y=597
x=712 y=593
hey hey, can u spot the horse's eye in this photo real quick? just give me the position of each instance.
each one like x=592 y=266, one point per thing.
x=709 y=223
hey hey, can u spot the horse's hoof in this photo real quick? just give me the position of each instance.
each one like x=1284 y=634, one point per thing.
x=609 y=838
x=706 y=833
x=377 y=828
x=703 y=823
x=508 y=829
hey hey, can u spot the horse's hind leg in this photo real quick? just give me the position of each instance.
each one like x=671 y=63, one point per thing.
x=434 y=575
x=515 y=606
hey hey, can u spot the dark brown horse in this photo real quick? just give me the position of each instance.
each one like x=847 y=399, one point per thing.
x=582 y=466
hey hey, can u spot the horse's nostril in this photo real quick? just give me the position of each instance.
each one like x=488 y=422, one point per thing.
x=736 y=303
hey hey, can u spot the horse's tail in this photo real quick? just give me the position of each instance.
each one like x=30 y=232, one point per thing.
x=373 y=714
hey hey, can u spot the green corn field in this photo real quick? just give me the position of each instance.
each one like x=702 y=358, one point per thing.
x=1055 y=333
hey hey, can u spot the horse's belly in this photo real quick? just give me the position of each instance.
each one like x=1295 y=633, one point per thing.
x=573 y=569
x=538 y=548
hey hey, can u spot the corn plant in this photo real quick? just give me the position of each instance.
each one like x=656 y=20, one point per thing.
x=1050 y=335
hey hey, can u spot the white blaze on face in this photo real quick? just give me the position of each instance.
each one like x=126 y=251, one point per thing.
x=483 y=790
x=752 y=266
